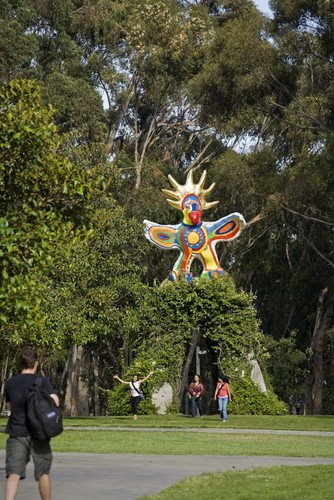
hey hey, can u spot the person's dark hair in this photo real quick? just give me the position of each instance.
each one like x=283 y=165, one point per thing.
x=223 y=377
x=199 y=377
x=133 y=376
x=28 y=358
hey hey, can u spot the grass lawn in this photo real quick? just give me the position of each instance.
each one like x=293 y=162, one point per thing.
x=284 y=483
x=286 y=422
x=168 y=442
x=193 y=443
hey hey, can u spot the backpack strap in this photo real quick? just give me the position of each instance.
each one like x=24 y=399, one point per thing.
x=135 y=389
x=220 y=388
x=140 y=393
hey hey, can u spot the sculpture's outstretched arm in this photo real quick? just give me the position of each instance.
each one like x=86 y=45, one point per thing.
x=163 y=236
x=226 y=228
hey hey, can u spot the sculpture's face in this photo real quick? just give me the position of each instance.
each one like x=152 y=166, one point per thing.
x=192 y=210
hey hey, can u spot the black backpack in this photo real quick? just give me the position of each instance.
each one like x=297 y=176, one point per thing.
x=44 y=418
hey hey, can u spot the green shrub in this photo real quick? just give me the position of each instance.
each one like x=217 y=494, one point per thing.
x=173 y=408
x=249 y=400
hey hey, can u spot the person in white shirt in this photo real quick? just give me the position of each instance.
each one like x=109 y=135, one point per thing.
x=135 y=391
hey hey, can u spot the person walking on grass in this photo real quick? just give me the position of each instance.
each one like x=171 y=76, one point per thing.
x=20 y=445
x=135 y=393
x=222 y=393
x=195 y=390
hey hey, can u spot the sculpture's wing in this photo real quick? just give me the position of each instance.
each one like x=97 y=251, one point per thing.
x=227 y=228
x=162 y=235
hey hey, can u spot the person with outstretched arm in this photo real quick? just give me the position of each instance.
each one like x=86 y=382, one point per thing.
x=135 y=393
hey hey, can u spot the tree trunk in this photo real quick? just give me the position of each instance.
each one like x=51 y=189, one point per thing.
x=76 y=399
x=4 y=377
x=7 y=364
x=315 y=382
x=95 y=363
x=194 y=340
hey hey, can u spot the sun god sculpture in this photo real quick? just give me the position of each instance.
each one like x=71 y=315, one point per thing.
x=194 y=238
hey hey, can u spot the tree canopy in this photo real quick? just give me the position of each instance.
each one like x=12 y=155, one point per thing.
x=43 y=204
x=140 y=90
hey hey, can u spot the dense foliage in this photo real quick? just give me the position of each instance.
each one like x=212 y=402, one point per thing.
x=229 y=331
x=140 y=90
x=43 y=204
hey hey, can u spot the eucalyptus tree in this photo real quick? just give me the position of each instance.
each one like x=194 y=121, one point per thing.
x=137 y=56
x=150 y=50
x=271 y=83
x=288 y=177
x=302 y=143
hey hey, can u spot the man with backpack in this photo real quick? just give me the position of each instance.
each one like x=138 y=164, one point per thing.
x=20 y=444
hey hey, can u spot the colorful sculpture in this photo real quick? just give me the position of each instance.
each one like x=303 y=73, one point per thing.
x=193 y=237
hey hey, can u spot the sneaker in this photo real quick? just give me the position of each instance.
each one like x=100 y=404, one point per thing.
x=224 y=421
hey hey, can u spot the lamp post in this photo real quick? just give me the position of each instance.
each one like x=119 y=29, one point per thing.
x=198 y=363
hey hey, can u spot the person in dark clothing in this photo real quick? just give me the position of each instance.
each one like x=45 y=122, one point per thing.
x=20 y=444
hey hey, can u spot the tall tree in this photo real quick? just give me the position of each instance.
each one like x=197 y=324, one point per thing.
x=42 y=203
x=43 y=212
x=290 y=260
x=93 y=304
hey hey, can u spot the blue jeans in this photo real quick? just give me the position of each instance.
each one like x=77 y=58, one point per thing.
x=222 y=405
x=196 y=403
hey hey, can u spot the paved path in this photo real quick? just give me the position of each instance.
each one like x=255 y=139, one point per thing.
x=83 y=476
